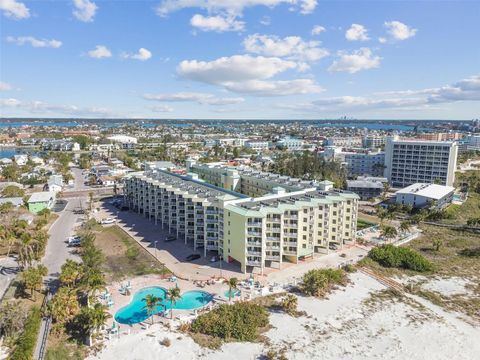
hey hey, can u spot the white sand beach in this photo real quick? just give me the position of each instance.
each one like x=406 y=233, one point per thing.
x=350 y=324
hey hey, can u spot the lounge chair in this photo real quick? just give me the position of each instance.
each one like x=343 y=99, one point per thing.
x=128 y=286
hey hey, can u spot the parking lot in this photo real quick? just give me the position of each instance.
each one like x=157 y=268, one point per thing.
x=171 y=253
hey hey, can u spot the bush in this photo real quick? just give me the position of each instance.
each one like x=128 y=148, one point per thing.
x=475 y=252
x=400 y=257
x=166 y=342
x=28 y=340
x=321 y=281
x=240 y=321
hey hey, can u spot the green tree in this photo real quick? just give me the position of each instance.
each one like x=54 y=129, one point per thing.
x=151 y=304
x=232 y=285
x=64 y=306
x=173 y=295
x=71 y=273
x=32 y=279
x=13 y=191
x=388 y=232
x=405 y=226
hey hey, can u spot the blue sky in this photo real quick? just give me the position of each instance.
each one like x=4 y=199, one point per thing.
x=267 y=59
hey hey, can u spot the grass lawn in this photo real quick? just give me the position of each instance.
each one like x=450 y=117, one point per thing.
x=368 y=218
x=468 y=210
x=362 y=224
x=124 y=257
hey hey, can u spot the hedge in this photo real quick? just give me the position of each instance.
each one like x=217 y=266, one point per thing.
x=25 y=345
x=240 y=321
x=400 y=257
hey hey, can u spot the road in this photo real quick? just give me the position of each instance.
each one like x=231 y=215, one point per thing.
x=57 y=251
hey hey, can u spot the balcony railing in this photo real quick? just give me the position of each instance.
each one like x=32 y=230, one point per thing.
x=254 y=263
x=254 y=233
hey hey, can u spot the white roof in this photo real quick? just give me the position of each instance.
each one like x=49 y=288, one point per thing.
x=431 y=191
x=43 y=196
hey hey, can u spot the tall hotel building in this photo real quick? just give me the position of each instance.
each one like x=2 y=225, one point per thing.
x=253 y=218
x=420 y=161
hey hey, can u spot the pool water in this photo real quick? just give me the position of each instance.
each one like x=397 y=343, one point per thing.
x=135 y=312
x=233 y=292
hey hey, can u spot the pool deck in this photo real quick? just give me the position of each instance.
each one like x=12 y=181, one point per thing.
x=217 y=290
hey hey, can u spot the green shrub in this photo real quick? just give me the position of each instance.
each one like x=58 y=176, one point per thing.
x=26 y=343
x=240 y=321
x=475 y=252
x=132 y=253
x=320 y=282
x=400 y=257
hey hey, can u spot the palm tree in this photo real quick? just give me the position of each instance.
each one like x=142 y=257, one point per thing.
x=173 y=295
x=405 y=226
x=388 y=232
x=32 y=279
x=151 y=304
x=232 y=285
x=64 y=305
x=71 y=273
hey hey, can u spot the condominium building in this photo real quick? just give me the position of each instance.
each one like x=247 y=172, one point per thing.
x=349 y=141
x=290 y=143
x=265 y=231
x=370 y=163
x=418 y=161
x=257 y=145
x=373 y=141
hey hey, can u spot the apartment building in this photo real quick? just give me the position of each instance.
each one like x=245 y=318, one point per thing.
x=370 y=163
x=373 y=141
x=257 y=145
x=290 y=143
x=255 y=233
x=350 y=141
x=419 y=161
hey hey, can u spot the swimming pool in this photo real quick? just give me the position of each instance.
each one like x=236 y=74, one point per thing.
x=232 y=292
x=135 y=311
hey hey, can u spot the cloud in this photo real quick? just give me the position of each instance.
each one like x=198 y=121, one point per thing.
x=318 y=29
x=358 y=60
x=36 y=43
x=142 y=55
x=216 y=23
x=161 y=108
x=232 y=7
x=85 y=10
x=5 y=86
x=467 y=89
x=248 y=74
x=291 y=47
x=100 y=52
x=357 y=32
x=399 y=31
x=234 y=68
x=201 y=98
x=274 y=88
x=40 y=107
x=14 y=9
x=266 y=20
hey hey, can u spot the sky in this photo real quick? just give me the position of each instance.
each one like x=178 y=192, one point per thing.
x=240 y=59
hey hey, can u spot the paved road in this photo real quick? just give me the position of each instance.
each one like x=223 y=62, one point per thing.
x=8 y=272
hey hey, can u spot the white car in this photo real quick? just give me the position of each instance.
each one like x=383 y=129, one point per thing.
x=107 y=221
x=73 y=241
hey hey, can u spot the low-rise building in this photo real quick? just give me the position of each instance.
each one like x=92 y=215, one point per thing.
x=425 y=195
x=257 y=145
x=41 y=200
x=367 y=187
x=15 y=201
x=290 y=143
x=55 y=183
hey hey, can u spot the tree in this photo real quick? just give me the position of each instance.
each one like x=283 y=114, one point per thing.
x=289 y=304
x=173 y=295
x=92 y=318
x=151 y=304
x=388 y=232
x=13 y=316
x=32 y=279
x=13 y=191
x=232 y=285
x=405 y=226
x=71 y=273
x=64 y=305
x=386 y=189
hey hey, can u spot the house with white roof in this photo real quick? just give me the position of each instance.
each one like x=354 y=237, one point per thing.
x=55 y=183
x=422 y=195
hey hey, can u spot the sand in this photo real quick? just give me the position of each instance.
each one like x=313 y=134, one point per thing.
x=347 y=325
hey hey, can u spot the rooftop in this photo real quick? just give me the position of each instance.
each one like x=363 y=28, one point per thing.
x=432 y=191
x=43 y=196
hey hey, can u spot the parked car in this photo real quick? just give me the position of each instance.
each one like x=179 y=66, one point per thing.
x=107 y=221
x=193 y=257
x=333 y=246
x=214 y=259
x=79 y=211
x=170 y=238
x=74 y=241
x=124 y=208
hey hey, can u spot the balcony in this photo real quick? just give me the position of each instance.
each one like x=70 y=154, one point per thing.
x=254 y=243
x=254 y=233
x=253 y=253
x=289 y=252
x=272 y=257
x=275 y=221
x=254 y=263
x=273 y=238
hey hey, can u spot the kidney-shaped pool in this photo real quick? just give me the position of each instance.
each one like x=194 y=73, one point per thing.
x=136 y=312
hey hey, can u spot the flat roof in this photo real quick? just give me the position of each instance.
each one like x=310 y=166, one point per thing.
x=432 y=191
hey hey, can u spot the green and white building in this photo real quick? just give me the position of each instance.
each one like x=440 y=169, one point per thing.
x=283 y=223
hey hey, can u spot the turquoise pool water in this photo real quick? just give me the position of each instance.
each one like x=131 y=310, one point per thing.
x=233 y=292
x=135 y=312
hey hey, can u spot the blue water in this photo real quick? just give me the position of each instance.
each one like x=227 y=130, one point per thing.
x=233 y=292
x=135 y=312
x=10 y=152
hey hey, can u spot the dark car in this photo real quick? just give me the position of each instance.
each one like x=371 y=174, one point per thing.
x=170 y=238
x=79 y=211
x=193 y=257
x=124 y=208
